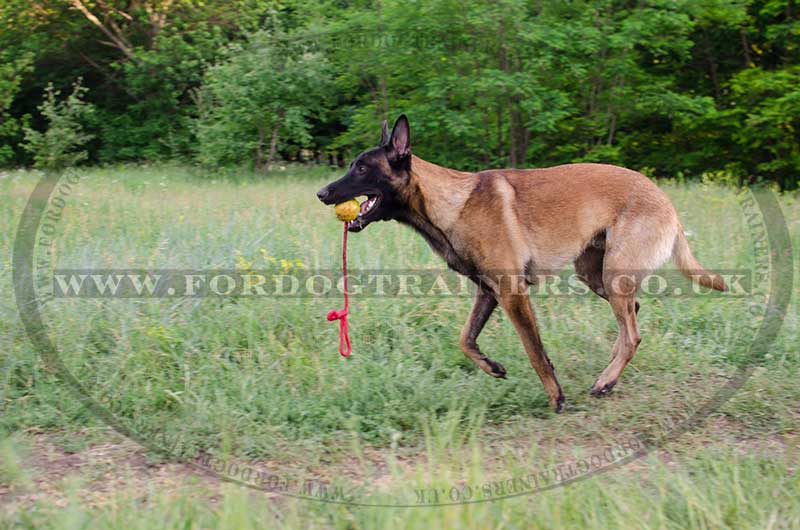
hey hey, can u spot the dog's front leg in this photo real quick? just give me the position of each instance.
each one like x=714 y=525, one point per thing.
x=517 y=306
x=482 y=309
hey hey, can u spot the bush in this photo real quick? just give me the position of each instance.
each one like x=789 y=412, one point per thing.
x=60 y=146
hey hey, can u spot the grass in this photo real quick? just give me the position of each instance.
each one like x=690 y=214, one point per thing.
x=713 y=491
x=260 y=380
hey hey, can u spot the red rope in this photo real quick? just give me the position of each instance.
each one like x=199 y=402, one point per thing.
x=341 y=315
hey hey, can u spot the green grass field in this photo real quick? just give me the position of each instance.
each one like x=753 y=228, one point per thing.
x=259 y=381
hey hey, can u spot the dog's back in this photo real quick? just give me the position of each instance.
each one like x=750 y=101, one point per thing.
x=555 y=212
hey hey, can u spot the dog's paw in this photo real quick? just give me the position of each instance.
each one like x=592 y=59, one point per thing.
x=600 y=389
x=495 y=369
x=560 y=404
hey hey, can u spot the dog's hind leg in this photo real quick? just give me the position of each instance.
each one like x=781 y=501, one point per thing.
x=634 y=247
x=589 y=266
x=482 y=309
x=625 y=345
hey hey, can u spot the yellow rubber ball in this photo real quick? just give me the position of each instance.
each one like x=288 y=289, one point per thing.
x=347 y=210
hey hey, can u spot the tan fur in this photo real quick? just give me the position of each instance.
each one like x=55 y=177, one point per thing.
x=511 y=221
x=444 y=195
x=549 y=215
x=690 y=267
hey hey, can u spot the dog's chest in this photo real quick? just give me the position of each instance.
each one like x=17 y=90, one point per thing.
x=458 y=262
x=455 y=255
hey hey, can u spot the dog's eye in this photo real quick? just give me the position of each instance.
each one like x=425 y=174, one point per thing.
x=362 y=169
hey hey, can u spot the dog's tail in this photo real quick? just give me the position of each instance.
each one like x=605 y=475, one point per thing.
x=690 y=267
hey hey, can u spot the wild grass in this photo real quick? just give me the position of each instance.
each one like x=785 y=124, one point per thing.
x=260 y=379
x=714 y=490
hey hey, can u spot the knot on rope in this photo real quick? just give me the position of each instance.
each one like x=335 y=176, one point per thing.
x=335 y=314
x=345 y=349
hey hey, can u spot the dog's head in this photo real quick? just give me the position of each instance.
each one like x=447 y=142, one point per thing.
x=381 y=174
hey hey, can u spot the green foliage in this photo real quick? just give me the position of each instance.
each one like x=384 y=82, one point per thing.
x=159 y=79
x=11 y=71
x=63 y=143
x=260 y=99
x=675 y=86
x=764 y=121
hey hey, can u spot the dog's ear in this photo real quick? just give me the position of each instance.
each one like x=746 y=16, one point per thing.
x=384 y=134
x=400 y=142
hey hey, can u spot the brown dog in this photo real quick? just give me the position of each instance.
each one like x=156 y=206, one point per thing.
x=502 y=227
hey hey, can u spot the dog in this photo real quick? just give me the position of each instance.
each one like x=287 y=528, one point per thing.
x=503 y=227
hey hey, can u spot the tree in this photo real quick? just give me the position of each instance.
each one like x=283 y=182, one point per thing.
x=11 y=72
x=674 y=86
x=764 y=121
x=261 y=98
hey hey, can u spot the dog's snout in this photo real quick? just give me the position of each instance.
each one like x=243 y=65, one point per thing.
x=323 y=194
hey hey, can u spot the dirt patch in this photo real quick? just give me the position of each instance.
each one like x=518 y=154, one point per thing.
x=96 y=474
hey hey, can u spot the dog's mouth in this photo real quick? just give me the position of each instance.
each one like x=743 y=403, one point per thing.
x=367 y=214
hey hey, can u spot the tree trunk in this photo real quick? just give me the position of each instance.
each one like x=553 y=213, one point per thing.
x=612 y=126
x=112 y=31
x=384 y=91
x=712 y=64
x=502 y=61
x=273 y=144
x=523 y=148
x=748 y=60
x=260 y=150
x=518 y=134
x=499 y=131
x=512 y=141
x=157 y=17
x=596 y=84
